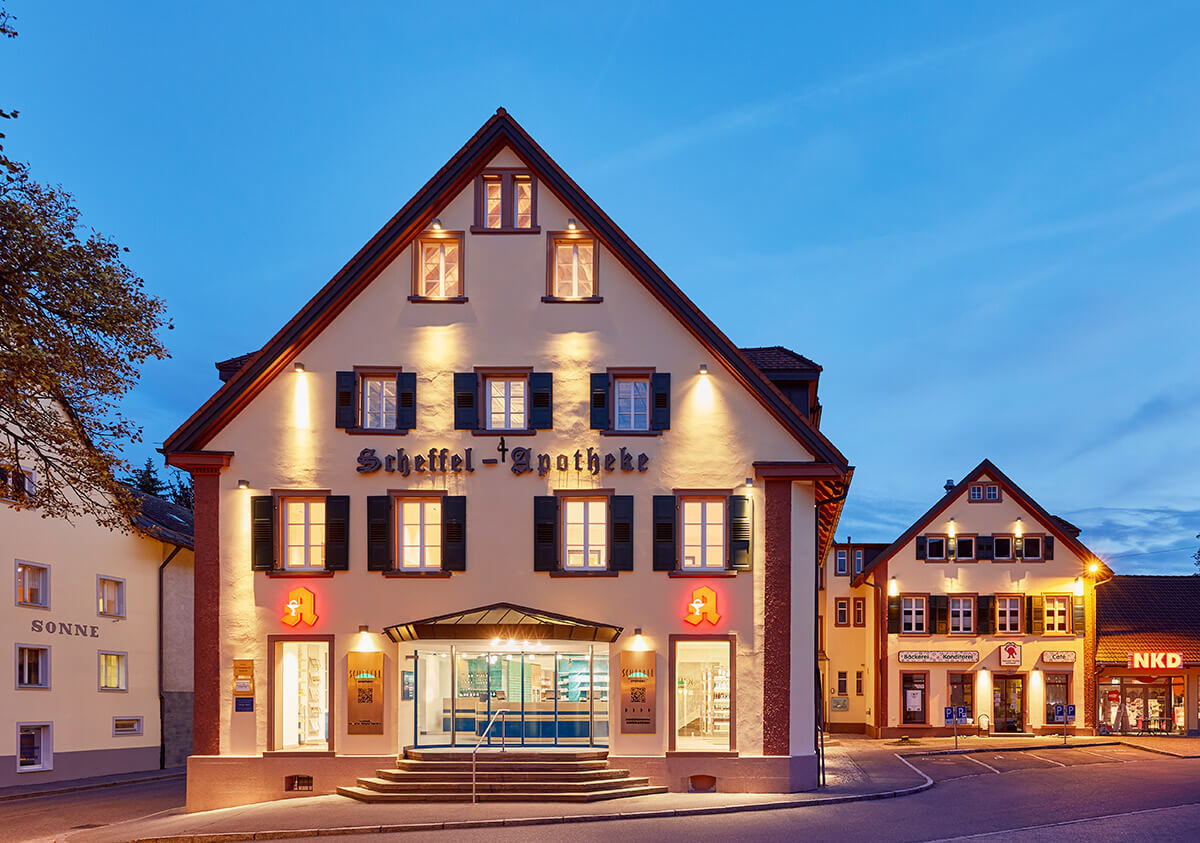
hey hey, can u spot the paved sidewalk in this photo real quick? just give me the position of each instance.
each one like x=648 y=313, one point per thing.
x=72 y=785
x=852 y=774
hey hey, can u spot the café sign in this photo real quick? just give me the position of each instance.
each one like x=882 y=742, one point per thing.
x=1058 y=656
x=1155 y=661
x=938 y=656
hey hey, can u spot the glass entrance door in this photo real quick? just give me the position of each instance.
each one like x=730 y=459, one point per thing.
x=1008 y=697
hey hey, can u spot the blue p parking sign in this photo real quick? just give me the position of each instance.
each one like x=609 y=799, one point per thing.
x=949 y=714
x=1059 y=711
x=1071 y=712
x=961 y=714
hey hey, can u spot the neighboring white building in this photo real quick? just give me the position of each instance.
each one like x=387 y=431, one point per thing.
x=85 y=698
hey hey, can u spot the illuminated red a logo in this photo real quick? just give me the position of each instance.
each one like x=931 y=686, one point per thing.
x=301 y=606
x=703 y=607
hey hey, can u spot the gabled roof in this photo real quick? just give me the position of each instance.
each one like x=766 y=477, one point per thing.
x=776 y=358
x=226 y=369
x=500 y=131
x=1147 y=613
x=1055 y=525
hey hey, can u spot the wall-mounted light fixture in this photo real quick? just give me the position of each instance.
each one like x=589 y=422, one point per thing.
x=749 y=482
x=298 y=366
x=893 y=587
x=243 y=484
x=639 y=643
x=704 y=368
x=1079 y=586
x=362 y=627
x=1020 y=526
x=572 y=225
x=1093 y=568
x=436 y=225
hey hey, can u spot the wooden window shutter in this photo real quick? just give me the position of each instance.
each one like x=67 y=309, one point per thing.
x=660 y=401
x=262 y=533
x=379 y=533
x=344 y=403
x=985 y=615
x=600 y=403
x=466 y=403
x=406 y=400
x=541 y=400
x=1078 y=621
x=985 y=547
x=337 y=532
x=741 y=532
x=1036 y=608
x=545 y=533
x=620 y=532
x=1048 y=548
x=664 y=533
x=893 y=616
x=920 y=547
x=454 y=533
x=940 y=604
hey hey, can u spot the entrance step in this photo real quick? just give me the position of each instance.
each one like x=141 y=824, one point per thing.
x=499 y=766
x=438 y=775
x=506 y=785
x=494 y=753
x=364 y=794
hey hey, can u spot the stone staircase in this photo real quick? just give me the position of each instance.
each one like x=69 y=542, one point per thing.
x=523 y=775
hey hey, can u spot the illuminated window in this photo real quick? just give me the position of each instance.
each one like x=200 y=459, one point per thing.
x=1057 y=694
x=1056 y=614
x=493 y=202
x=912 y=615
x=703 y=533
x=126 y=726
x=633 y=403
x=1008 y=614
x=574 y=268
x=304 y=534
x=505 y=201
x=34 y=747
x=33 y=667
x=110 y=597
x=962 y=615
x=419 y=523
x=1003 y=547
x=840 y=563
x=378 y=402
x=302 y=709
x=962 y=691
x=440 y=269
x=33 y=584
x=522 y=202
x=112 y=672
x=506 y=403
x=702 y=714
x=585 y=533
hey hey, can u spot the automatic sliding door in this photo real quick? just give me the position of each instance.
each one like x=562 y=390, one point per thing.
x=434 y=698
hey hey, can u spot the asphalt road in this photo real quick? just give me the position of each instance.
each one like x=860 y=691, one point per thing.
x=53 y=817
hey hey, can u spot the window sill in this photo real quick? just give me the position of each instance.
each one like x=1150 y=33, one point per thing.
x=33 y=770
x=299 y=574
x=33 y=687
x=702 y=753
x=436 y=300
x=110 y=616
x=376 y=431
x=572 y=299
x=113 y=690
x=33 y=606
x=694 y=574
x=525 y=432
x=479 y=229
x=630 y=433
x=434 y=575
x=581 y=574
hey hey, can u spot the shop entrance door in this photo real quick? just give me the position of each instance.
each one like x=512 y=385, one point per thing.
x=1008 y=697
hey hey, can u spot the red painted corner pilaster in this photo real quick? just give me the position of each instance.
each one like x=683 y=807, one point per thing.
x=206 y=665
x=777 y=618
x=1089 y=658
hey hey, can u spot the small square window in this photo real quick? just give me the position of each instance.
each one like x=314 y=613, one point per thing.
x=126 y=726
x=912 y=615
x=110 y=597
x=35 y=749
x=993 y=493
x=113 y=675
x=633 y=403
x=935 y=547
x=703 y=533
x=1031 y=547
x=33 y=584
x=419 y=525
x=585 y=534
x=574 y=267
x=304 y=534
x=1008 y=615
x=33 y=667
x=976 y=493
x=1003 y=546
x=965 y=547
x=962 y=615
x=506 y=404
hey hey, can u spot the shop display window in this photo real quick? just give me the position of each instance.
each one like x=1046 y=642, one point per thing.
x=303 y=697
x=34 y=747
x=1057 y=685
x=703 y=695
x=962 y=691
x=913 y=697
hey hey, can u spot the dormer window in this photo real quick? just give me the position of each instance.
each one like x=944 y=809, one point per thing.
x=505 y=202
x=983 y=493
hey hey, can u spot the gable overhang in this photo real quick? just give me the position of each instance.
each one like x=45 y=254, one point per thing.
x=503 y=622
x=987 y=467
x=500 y=131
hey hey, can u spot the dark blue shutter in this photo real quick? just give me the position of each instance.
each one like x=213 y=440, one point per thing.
x=454 y=533
x=406 y=400
x=920 y=547
x=660 y=401
x=337 y=532
x=262 y=533
x=379 y=533
x=1048 y=548
x=620 y=532
x=344 y=415
x=541 y=400
x=466 y=403
x=664 y=533
x=545 y=533
x=741 y=533
x=893 y=617
x=600 y=403
x=985 y=547
x=985 y=616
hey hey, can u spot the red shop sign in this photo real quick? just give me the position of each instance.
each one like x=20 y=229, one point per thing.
x=1155 y=661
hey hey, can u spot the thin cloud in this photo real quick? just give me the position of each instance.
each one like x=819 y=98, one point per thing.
x=1159 y=411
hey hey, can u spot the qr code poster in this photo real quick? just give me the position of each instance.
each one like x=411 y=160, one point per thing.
x=638 y=714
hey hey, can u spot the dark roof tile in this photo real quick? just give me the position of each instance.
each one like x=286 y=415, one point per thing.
x=777 y=358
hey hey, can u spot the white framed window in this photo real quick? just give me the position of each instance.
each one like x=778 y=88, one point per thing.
x=440 y=267
x=585 y=534
x=992 y=493
x=493 y=202
x=113 y=673
x=419 y=526
x=378 y=402
x=110 y=597
x=522 y=202
x=1002 y=547
x=126 y=726
x=1031 y=547
x=1008 y=614
x=33 y=666
x=964 y=548
x=633 y=403
x=506 y=408
x=841 y=683
x=935 y=547
x=842 y=608
x=17 y=483
x=858 y=561
x=703 y=534
x=839 y=563
x=35 y=747
x=976 y=493
x=962 y=615
x=912 y=615
x=574 y=268
x=33 y=584
x=304 y=534
x=1057 y=614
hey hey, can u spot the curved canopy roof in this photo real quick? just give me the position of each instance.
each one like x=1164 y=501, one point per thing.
x=503 y=620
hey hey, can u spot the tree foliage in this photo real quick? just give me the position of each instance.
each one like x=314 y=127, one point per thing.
x=75 y=327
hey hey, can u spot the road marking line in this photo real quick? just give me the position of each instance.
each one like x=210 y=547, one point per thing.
x=928 y=780
x=1047 y=760
x=1066 y=822
x=981 y=764
x=1105 y=757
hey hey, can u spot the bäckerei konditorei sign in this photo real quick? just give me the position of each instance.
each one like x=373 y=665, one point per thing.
x=938 y=656
x=518 y=460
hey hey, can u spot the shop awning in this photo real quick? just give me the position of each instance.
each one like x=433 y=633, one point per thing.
x=504 y=621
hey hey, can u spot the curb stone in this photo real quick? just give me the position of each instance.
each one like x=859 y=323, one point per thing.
x=979 y=750
x=9 y=797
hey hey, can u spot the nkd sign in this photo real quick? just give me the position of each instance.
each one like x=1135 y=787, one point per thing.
x=1155 y=661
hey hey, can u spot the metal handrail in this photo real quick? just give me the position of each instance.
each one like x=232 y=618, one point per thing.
x=498 y=713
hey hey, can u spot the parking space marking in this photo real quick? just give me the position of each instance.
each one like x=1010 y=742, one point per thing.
x=981 y=764
x=1047 y=760
x=1102 y=755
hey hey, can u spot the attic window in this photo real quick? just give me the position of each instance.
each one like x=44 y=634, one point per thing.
x=983 y=493
x=505 y=202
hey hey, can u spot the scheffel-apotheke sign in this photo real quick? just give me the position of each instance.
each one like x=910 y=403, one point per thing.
x=518 y=460
x=1152 y=660
x=938 y=656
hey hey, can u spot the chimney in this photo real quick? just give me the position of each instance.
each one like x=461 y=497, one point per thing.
x=949 y=487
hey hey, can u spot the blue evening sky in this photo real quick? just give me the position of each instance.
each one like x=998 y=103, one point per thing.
x=982 y=222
